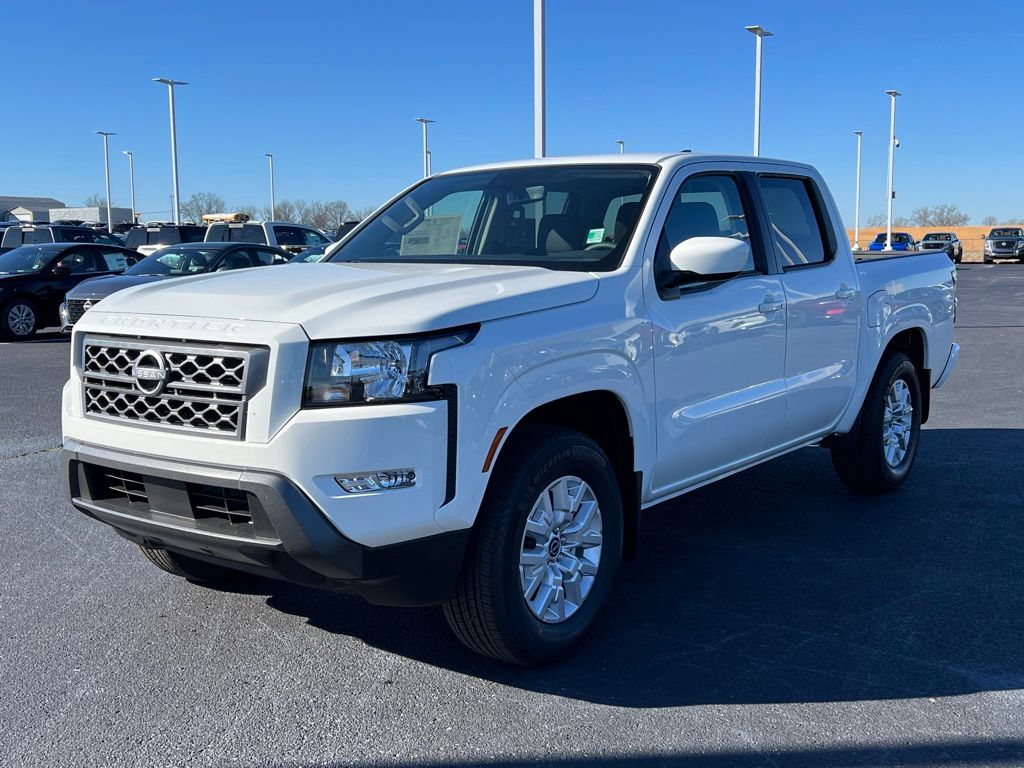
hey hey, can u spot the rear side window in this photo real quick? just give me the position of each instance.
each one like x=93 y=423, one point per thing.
x=300 y=236
x=192 y=234
x=797 y=222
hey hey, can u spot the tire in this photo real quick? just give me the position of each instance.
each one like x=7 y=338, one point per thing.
x=19 y=319
x=489 y=610
x=189 y=567
x=986 y=261
x=862 y=458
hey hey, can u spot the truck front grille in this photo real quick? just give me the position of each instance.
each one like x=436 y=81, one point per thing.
x=195 y=388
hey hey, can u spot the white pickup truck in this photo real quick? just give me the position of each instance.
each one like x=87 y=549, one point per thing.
x=471 y=402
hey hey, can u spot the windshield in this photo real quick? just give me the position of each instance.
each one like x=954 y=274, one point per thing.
x=175 y=261
x=27 y=259
x=938 y=236
x=1005 y=233
x=576 y=217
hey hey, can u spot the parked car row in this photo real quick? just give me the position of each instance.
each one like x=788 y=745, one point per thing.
x=933 y=241
x=52 y=272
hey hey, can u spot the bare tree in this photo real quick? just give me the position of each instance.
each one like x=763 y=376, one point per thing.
x=876 y=220
x=948 y=215
x=990 y=221
x=901 y=221
x=200 y=204
x=95 y=200
x=361 y=213
x=923 y=217
x=252 y=210
x=284 y=210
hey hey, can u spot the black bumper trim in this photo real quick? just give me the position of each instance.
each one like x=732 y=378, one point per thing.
x=297 y=544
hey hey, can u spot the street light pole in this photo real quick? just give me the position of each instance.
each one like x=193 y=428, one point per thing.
x=273 y=206
x=892 y=162
x=426 y=149
x=131 y=181
x=760 y=33
x=856 y=204
x=106 y=166
x=539 y=82
x=622 y=145
x=174 y=143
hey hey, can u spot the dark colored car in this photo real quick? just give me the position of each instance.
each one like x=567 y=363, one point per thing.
x=149 y=239
x=30 y=234
x=170 y=262
x=901 y=241
x=944 y=241
x=1004 y=243
x=34 y=279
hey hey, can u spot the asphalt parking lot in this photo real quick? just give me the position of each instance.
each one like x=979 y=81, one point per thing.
x=771 y=619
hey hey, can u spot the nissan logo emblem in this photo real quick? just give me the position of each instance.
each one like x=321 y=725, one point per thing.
x=87 y=306
x=149 y=372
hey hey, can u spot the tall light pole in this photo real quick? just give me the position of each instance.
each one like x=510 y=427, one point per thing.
x=174 y=143
x=273 y=206
x=131 y=180
x=622 y=145
x=856 y=204
x=426 y=148
x=430 y=163
x=892 y=161
x=760 y=33
x=539 y=82
x=106 y=166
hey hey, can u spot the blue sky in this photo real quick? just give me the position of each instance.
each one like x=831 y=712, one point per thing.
x=331 y=88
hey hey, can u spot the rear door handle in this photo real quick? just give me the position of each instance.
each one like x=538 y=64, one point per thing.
x=846 y=293
x=768 y=307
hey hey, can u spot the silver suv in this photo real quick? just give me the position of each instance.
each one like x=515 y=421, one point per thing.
x=1004 y=243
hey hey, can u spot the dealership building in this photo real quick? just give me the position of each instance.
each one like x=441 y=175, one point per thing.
x=27 y=208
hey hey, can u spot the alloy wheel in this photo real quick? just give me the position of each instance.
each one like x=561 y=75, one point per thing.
x=21 y=319
x=897 y=423
x=561 y=549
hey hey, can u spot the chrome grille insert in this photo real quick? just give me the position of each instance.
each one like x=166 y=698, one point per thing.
x=191 y=387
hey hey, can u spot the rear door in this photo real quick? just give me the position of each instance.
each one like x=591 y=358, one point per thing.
x=823 y=305
x=719 y=346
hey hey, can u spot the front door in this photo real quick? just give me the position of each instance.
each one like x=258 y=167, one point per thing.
x=720 y=346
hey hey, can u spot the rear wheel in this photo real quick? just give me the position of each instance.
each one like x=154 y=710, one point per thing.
x=545 y=551
x=20 y=319
x=877 y=455
x=189 y=567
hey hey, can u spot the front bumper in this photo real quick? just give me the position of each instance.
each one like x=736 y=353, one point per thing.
x=255 y=521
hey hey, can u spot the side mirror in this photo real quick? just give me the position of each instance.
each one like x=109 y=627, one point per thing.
x=61 y=271
x=710 y=258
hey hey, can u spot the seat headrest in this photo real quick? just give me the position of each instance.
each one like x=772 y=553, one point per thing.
x=687 y=220
x=559 y=233
x=625 y=218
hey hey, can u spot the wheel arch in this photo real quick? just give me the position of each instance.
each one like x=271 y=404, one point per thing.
x=613 y=431
x=913 y=343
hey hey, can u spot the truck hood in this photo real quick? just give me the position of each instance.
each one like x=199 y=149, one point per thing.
x=336 y=299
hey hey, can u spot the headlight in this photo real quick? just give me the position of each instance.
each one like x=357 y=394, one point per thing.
x=349 y=372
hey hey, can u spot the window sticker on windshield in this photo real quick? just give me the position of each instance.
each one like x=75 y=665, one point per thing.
x=433 y=236
x=595 y=236
x=115 y=261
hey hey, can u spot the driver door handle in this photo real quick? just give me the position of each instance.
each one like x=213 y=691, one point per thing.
x=846 y=293
x=769 y=306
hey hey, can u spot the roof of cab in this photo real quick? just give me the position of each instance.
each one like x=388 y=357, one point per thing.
x=672 y=159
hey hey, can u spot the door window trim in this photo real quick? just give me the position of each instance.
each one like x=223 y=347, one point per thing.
x=825 y=229
x=763 y=263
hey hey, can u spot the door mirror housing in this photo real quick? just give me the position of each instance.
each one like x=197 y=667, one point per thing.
x=61 y=271
x=709 y=258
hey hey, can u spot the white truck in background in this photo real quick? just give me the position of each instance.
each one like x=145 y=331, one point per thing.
x=471 y=401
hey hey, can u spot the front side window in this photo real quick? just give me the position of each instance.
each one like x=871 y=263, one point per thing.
x=704 y=206
x=78 y=262
x=175 y=261
x=267 y=258
x=797 y=228
x=549 y=216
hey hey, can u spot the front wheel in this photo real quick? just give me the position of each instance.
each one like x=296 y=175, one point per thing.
x=20 y=319
x=877 y=455
x=545 y=551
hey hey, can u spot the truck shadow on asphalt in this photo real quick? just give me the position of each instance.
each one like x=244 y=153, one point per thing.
x=778 y=585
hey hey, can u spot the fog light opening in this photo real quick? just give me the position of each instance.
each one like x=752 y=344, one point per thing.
x=382 y=480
